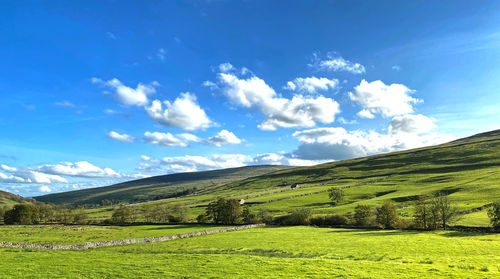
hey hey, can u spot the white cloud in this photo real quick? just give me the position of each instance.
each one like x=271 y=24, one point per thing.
x=45 y=189
x=388 y=100
x=164 y=139
x=184 y=113
x=65 y=104
x=311 y=84
x=223 y=137
x=210 y=85
x=189 y=137
x=80 y=169
x=364 y=113
x=336 y=143
x=161 y=54
x=225 y=67
x=189 y=163
x=411 y=123
x=337 y=63
x=28 y=176
x=111 y=36
x=300 y=111
x=396 y=68
x=120 y=137
x=128 y=96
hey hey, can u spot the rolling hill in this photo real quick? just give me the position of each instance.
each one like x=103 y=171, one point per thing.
x=467 y=170
x=158 y=187
x=8 y=199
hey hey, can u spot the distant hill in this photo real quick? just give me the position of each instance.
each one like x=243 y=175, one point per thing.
x=467 y=170
x=7 y=198
x=159 y=187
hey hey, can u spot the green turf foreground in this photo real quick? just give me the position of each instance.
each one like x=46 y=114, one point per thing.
x=274 y=252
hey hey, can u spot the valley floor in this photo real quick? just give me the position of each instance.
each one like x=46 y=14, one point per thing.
x=271 y=252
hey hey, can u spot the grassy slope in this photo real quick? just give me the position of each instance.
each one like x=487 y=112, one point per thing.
x=467 y=169
x=291 y=252
x=8 y=199
x=153 y=187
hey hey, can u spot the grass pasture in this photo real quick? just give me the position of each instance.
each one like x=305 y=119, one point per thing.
x=275 y=252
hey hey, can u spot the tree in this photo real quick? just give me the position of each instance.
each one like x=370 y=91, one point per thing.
x=121 y=215
x=248 y=216
x=180 y=213
x=494 y=214
x=22 y=214
x=2 y=213
x=387 y=215
x=46 y=212
x=224 y=211
x=422 y=215
x=443 y=210
x=362 y=214
x=79 y=215
x=265 y=216
x=336 y=195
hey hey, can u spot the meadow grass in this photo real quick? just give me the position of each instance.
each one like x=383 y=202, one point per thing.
x=275 y=252
x=73 y=234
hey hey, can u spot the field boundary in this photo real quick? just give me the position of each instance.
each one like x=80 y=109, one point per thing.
x=108 y=243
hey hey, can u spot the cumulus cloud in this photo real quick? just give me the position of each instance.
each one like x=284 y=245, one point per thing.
x=120 y=137
x=190 y=163
x=184 y=113
x=164 y=139
x=26 y=175
x=378 y=98
x=300 y=111
x=311 y=84
x=129 y=96
x=223 y=137
x=79 y=169
x=336 y=143
x=45 y=189
x=337 y=63
x=411 y=123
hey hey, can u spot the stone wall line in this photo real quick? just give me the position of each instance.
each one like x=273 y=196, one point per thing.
x=92 y=245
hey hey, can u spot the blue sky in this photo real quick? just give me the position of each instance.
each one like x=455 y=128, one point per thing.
x=97 y=92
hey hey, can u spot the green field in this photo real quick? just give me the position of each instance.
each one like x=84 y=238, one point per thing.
x=274 y=252
x=60 y=234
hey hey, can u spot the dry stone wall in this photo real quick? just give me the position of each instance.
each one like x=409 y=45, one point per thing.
x=91 y=245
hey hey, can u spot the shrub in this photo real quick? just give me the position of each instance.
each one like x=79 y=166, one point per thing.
x=336 y=195
x=265 y=216
x=202 y=219
x=248 y=216
x=494 y=215
x=362 y=215
x=224 y=211
x=121 y=215
x=298 y=217
x=335 y=220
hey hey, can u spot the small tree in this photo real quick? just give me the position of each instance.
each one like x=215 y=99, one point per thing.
x=336 y=195
x=22 y=214
x=46 y=212
x=121 y=215
x=79 y=215
x=494 y=214
x=387 y=215
x=248 y=216
x=422 y=215
x=180 y=213
x=443 y=210
x=362 y=214
x=265 y=216
x=2 y=213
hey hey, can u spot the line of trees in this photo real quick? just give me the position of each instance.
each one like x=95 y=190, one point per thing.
x=42 y=213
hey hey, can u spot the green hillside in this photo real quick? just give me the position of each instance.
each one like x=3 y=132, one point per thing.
x=8 y=199
x=158 y=187
x=467 y=170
